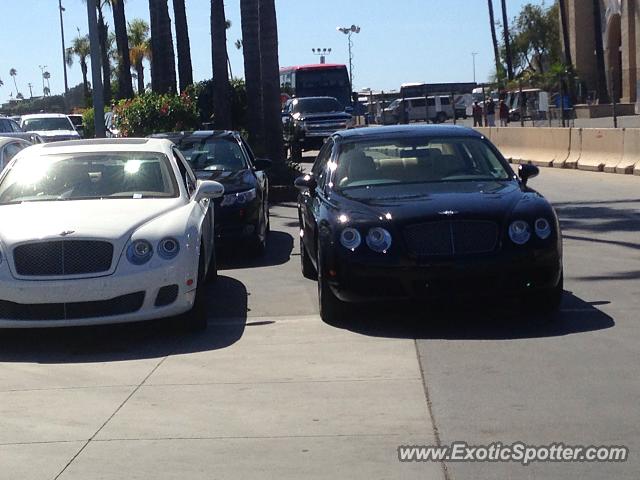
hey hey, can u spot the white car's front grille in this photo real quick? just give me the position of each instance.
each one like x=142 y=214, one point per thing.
x=63 y=257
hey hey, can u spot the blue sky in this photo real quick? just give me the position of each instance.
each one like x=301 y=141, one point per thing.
x=400 y=40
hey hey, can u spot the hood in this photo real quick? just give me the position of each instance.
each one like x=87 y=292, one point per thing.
x=488 y=200
x=233 y=181
x=102 y=219
x=49 y=135
x=317 y=117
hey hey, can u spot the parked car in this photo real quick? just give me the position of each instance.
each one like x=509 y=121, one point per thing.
x=9 y=128
x=242 y=215
x=308 y=121
x=424 y=212
x=78 y=123
x=118 y=231
x=52 y=127
x=9 y=147
x=414 y=109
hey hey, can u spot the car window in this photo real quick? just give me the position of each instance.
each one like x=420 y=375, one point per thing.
x=4 y=125
x=213 y=153
x=187 y=176
x=248 y=150
x=14 y=126
x=10 y=150
x=47 y=124
x=319 y=169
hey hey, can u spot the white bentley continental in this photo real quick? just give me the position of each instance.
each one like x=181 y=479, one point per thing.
x=104 y=231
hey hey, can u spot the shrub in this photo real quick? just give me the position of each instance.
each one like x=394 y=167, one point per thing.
x=154 y=113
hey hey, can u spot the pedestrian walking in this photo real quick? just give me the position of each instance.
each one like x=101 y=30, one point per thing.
x=491 y=112
x=504 y=114
x=477 y=114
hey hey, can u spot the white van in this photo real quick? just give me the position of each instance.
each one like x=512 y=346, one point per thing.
x=440 y=109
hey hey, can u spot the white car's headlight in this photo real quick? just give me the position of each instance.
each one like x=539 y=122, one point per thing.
x=239 y=198
x=139 y=252
x=350 y=238
x=543 y=228
x=168 y=248
x=379 y=240
x=519 y=232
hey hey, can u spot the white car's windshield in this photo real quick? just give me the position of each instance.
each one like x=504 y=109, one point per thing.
x=417 y=160
x=82 y=176
x=46 y=124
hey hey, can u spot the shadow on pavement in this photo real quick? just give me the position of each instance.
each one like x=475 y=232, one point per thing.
x=475 y=321
x=226 y=304
x=279 y=247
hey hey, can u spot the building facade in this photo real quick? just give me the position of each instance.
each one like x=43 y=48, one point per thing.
x=620 y=21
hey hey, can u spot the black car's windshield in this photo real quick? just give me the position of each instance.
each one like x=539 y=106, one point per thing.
x=46 y=124
x=81 y=176
x=213 y=153
x=316 y=105
x=416 y=160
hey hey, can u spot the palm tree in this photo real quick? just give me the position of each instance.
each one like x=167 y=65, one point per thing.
x=13 y=72
x=140 y=48
x=249 y=14
x=80 y=47
x=163 y=65
x=494 y=38
x=507 y=40
x=271 y=80
x=125 y=89
x=46 y=90
x=221 y=86
x=185 y=71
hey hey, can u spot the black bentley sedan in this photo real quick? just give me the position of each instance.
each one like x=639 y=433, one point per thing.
x=425 y=212
x=242 y=215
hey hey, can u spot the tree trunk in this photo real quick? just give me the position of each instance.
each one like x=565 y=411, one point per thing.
x=85 y=82
x=163 y=65
x=125 y=88
x=271 y=81
x=221 y=86
x=494 y=38
x=103 y=34
x=507 y=40
x=565 y=34
x=140 y=73
x=251 y=53
x=185 y=71
x=601 y=77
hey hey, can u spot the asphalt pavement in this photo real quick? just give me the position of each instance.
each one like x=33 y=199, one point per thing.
x=271 y=391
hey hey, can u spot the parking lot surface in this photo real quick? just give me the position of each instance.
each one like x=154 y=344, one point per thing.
x=271 y=391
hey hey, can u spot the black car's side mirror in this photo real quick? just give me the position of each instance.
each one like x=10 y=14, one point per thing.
x=527 y=171
x=306 y=183
x=262 y=163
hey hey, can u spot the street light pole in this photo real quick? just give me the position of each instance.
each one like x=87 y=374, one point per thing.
x=350 y=31
x=323 y=52
x=96 y=74
x=473 y=56
x=64 y=60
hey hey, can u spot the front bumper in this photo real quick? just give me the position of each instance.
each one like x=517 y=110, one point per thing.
x=116 y=298
x=236 y=223
x=496 y=275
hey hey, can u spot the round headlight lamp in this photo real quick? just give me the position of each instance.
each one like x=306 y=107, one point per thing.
x=519 y=232
x=350 y=238
x=379 y=239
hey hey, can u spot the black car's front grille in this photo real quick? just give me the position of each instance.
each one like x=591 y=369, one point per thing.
x=451 y=238
x=129 y=303
x=63 y=257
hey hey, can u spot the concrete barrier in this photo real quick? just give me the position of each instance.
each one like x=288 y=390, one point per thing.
x=631 y=151
x=539 y=146
x=601 y=149
x=509 y=141
x=575 y=150
x=486 y=131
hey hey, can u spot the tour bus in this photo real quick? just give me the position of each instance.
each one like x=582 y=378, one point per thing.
x=320 y=80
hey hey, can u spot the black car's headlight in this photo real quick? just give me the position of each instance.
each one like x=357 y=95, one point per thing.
x=168 y=248
x=379 y=239
x=139 y=252
x=543 y=228
x=239 y=198
x=519 y=232
x=350 y=238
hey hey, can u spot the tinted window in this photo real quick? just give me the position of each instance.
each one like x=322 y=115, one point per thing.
x=88 y=175
x=419 y=102
x=11 y=149
x=47 y=124
x=14 y=126
x=213 y=153
x=417 y=160
x=431 y=102
x=5 y=127
x=319 y=169
x=316 y=105
x=444 y=101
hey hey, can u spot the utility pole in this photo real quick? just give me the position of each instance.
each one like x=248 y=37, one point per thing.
x=350 y=31
x=96 y=71
x=64 y=60
x=473 y=55
x=30 y=90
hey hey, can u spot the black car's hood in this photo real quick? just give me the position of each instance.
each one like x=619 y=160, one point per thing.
x=318 y=117
x=418 y=202
x=233 y=181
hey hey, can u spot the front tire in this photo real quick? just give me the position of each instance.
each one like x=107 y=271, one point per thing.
x=195 y=320
x=308 y=270
x=547 y=301
x=332 y=310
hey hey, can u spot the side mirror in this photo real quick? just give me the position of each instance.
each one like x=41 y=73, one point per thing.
x=306 y=183
x=208 y=189
x=527 y=171
x=262 y=163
